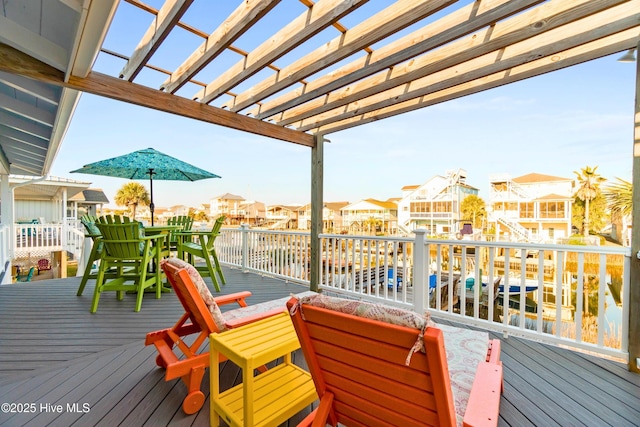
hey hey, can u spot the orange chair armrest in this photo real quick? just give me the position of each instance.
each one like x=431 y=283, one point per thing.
x=323 y=411
x=484 y=401
x=231 y=298
x=250 y=319
x=493 y=356
x=306 y=422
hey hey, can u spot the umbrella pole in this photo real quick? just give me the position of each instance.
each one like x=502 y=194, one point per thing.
x=151 y=206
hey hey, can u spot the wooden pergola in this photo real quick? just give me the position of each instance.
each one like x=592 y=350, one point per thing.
x=393 y=58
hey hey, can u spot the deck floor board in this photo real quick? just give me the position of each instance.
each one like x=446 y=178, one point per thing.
x=52 y=350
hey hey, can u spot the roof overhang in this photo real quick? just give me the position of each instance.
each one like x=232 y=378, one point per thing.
x=35 y=115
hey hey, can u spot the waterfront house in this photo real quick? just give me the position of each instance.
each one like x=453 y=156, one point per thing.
x=229 y=205
x=282 y=217
x=531 y=208
x=435 y=205
x=332 y=220
x=371 y=216
x=176 y=210
x=254 y=212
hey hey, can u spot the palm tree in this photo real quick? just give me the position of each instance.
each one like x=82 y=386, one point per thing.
x=131 y=195
x=619 y=196
x=473 y=209
x=589 y=184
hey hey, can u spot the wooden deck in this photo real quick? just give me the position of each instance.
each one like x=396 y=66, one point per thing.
x=53 y=351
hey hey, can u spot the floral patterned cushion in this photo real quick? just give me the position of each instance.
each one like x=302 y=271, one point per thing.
x=465 y=348
x=202 y=288
x=384 y=313
x=242 y=312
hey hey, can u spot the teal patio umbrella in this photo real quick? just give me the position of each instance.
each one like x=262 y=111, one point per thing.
x=147 y=163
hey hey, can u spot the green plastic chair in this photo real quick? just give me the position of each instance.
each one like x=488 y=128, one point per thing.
x=27 y=277
x=90 y=230
x=129 y=253
x=204 y=248
x=185 y=223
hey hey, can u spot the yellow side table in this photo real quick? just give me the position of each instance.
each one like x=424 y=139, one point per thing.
x=269 y=398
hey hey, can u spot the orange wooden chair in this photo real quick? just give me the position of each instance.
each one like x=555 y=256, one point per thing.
x=376 y=365
x=201 y=318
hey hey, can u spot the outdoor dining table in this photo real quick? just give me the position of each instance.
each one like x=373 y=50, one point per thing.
x=164 y=230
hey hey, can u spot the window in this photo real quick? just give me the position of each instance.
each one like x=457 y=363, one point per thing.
x=552 y=209
x=526 y=210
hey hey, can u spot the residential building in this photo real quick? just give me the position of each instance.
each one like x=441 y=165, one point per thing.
x=255 y=213
x=43 y=200
x=282 y=217
x=87 y=202
x=531 y=208
x=229 y=205
x=331 y=217
x=177 y=210
x=371 y=216
x=435 y=205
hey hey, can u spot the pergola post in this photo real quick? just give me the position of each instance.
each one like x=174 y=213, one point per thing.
x=634 y=273
x=317 y=167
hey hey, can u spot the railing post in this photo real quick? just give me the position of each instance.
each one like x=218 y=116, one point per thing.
x=419 y=271
x=244 y=232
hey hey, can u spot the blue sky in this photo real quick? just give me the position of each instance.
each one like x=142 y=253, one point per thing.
x=552 y=124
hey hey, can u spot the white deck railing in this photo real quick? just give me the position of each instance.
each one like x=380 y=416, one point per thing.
x=39 y=240
x=277 y=253
x=550 y=281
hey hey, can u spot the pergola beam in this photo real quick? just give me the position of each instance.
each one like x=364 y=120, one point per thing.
x=507 y=44
x=311 y=22
x=241 y=20
x=14 y=61
x=383 y=24
x=166 y=19
x=460 y=22
x=546 y=45
x=574 y=56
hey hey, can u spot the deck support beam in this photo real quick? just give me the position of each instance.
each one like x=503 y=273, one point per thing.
x=15 y=62
x=317 y=177
x=634 y=282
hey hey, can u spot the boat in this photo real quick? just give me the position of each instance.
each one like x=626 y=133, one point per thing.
x=515 y=285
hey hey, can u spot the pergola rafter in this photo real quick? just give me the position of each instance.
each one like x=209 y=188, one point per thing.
x=385 y=23
x=317 y=18
x=424 y=76
x=468 y=48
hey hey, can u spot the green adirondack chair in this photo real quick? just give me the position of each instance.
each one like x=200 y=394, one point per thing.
x=27 y=277
x=90 y=230
x=185 y=223
x=203 y=248
x=130 y=254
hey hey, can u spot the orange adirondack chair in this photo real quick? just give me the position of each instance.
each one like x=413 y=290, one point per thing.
x=393 y=371
x=202 y=317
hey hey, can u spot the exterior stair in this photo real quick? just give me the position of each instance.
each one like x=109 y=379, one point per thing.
x=521 y=233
